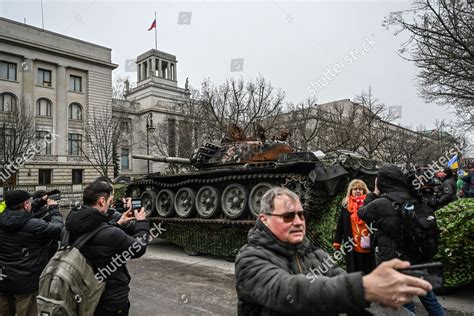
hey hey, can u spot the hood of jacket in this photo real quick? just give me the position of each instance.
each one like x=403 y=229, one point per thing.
x=13 y=220
x=261 y=235
x=391 y=178
x=82 y=219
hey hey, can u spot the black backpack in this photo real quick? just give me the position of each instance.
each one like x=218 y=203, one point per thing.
x=419 y=230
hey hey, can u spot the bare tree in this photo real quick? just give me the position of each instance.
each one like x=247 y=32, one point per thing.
x=237 y=102
x=306 y=122
x=372 y=119
x=17 y=138
x=441 y=46
x=102 y=133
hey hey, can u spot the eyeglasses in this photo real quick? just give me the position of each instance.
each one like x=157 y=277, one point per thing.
x=289 y=217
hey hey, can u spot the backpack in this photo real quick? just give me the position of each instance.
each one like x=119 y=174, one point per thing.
x=419 y=230
x=67 y=285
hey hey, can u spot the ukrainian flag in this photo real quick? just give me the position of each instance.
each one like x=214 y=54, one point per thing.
x=453 y=162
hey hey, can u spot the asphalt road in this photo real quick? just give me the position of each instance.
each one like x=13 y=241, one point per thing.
x=166 y=281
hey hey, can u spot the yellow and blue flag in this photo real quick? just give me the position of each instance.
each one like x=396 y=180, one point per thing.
x=453 y=162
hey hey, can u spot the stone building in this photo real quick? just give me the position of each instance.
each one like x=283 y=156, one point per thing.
x=62 y=80
x=154 y=113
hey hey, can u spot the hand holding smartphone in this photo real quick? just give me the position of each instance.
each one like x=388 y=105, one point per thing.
x=431 y=272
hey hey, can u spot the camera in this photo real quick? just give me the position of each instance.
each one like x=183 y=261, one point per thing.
x=55 y=197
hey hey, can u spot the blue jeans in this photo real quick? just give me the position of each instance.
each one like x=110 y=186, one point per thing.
x=430 y=303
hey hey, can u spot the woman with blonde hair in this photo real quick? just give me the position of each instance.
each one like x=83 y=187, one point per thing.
x=352 y=234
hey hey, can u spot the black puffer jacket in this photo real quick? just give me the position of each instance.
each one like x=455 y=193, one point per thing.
x=274 y=278
x=449 y=191
x=24 y=249
x=109 y=243
x=382 y=215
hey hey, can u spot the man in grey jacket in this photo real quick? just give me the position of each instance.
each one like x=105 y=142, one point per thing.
x=275 y=270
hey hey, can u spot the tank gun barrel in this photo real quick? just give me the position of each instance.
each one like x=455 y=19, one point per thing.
x=182 y=161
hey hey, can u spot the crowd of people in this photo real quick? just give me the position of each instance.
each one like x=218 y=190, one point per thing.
x=31 y=227
x=275 y=270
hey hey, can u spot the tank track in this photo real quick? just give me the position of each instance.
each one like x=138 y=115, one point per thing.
x=313 y=195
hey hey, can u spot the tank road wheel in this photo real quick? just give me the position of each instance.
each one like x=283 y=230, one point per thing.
x=148 y=201
x=298 y=186
x=234 y=200
x=256 y=196
x=207 y=201
x=184 y=202
x=165 y=203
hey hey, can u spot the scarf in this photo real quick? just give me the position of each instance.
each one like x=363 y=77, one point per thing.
x=353 y=207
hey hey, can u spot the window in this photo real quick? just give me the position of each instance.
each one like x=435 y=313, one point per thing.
x=44 y=176
x=44 y=77
x=43 y=141
x=43 y=107
x=74 y=144
x=75 y=111
x=7 y=70
x=124 y=159
x=75 y=83
x=7 y=139
x=77 y=176
x=8 y=102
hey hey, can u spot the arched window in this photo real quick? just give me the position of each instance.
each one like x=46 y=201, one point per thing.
x=75 y=111
x=7 y=102
x=44 y=107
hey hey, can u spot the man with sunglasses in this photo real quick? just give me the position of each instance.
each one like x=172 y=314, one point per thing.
x=24 y=252
x=274 y=270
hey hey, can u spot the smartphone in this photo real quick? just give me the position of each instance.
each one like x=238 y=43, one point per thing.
x=431 y=272
x=136 y=204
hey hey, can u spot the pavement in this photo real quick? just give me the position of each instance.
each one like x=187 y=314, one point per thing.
x=166 y=281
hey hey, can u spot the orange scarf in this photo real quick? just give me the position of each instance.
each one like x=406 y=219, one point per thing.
x=353 y=207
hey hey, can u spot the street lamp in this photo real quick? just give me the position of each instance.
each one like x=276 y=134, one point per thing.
x=149 y=127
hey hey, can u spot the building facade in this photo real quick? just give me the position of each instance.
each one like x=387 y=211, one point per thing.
x=154 y=111
x=61 y=81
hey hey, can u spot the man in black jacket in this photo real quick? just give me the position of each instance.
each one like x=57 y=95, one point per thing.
x=381 y=213
x=111 y=247
x=448 y=194
x=23 y=253
x=279 y=272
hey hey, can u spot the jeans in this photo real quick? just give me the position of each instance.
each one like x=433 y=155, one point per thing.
x=430 y=303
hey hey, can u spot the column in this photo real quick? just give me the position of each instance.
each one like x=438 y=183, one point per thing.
x=142 y=71
x=60 y=113
x=28 y=83
x=152 y=70
x=139 y=69
x=160 y=74
x=174 y=72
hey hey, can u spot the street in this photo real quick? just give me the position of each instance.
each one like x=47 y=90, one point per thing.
x=166 y=281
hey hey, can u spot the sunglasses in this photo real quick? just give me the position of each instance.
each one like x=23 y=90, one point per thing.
x=289 y=217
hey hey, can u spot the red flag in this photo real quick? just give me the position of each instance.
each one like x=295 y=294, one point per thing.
x=153 y=25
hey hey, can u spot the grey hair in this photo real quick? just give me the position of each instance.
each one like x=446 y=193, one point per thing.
x=266 y=203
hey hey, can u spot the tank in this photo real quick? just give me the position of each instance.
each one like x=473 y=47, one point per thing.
x=227 y=180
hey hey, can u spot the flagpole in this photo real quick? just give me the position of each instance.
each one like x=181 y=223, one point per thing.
x=156 y=45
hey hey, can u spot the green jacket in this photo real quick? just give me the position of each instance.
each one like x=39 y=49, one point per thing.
x=3 y=206
x=274 y=278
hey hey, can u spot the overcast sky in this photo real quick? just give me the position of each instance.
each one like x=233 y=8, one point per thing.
x=292 y=44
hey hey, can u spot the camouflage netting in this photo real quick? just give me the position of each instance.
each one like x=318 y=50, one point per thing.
x=456 y=246
x=321 y=231
x=212 y=239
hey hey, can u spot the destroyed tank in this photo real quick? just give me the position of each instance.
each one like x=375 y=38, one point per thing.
x=228 y=180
